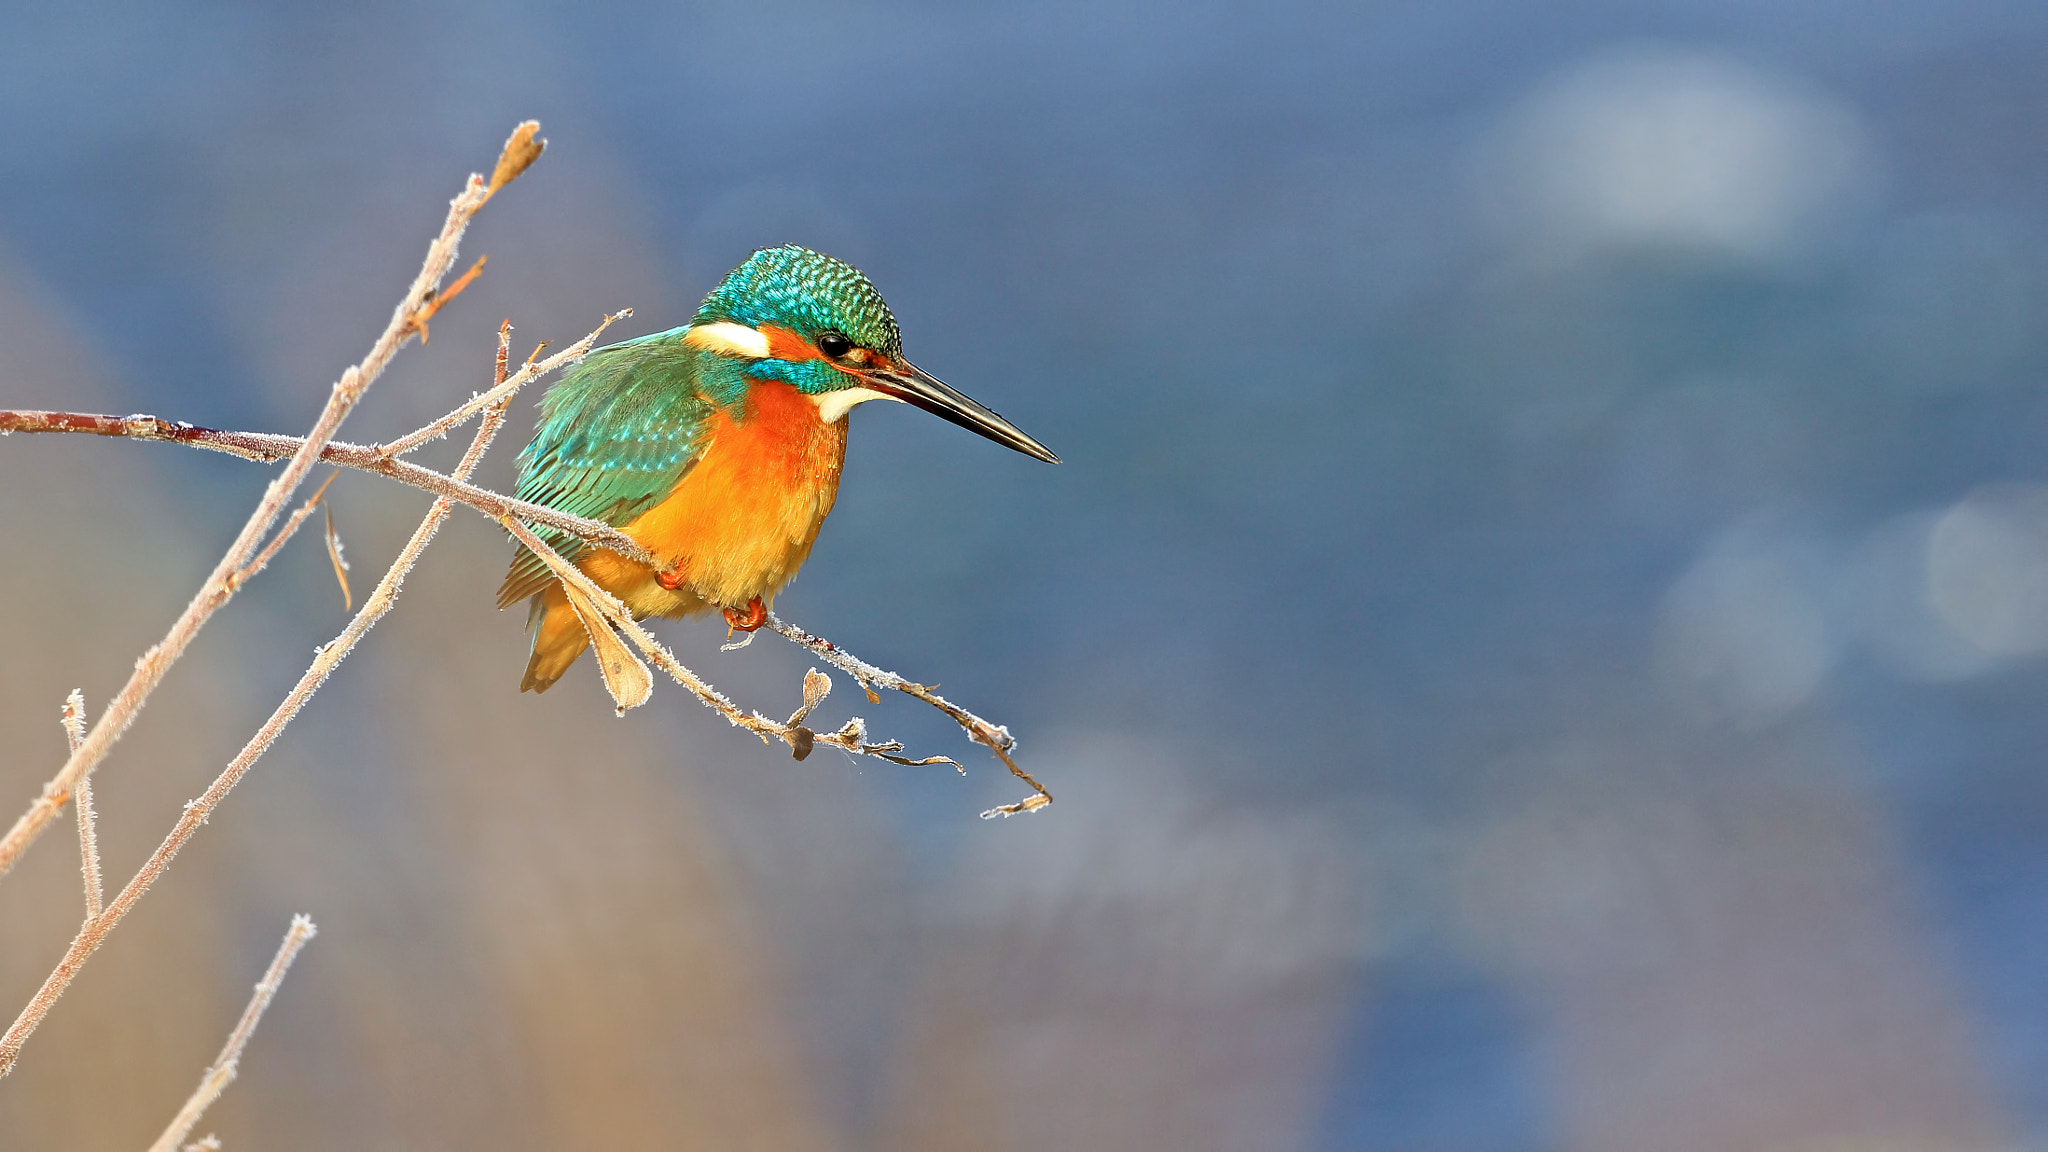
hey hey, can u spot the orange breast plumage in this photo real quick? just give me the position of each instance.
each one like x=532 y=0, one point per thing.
x=742 y=520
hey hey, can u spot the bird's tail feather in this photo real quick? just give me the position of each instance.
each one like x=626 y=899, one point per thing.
x=557 y=641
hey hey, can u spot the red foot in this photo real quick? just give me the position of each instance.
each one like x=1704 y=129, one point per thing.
x=755 y=616
x=669 y=580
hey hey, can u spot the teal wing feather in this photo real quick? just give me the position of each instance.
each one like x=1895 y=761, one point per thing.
x=615 y=435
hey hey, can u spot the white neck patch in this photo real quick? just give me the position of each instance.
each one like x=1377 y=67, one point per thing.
x=729 y=338
x=834 y=405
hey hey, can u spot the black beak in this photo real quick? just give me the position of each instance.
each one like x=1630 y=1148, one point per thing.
x=913 y=385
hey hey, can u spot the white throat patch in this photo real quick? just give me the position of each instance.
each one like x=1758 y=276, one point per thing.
x=834 y=405
x=730 y=338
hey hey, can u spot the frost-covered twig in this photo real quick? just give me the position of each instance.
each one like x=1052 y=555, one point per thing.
x=419 y=302
x=88 y=820
x=267 y=447
x=611 y=614
x=284 y=534
x=325 y=659
x=506 y=385
x=217 y=1078
x=382 y=461
x=995 y=736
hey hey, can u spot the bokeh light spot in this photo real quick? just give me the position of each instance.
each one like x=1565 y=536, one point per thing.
x=1987 y=568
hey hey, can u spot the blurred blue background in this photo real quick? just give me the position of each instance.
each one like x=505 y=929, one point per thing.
x=1537 y=639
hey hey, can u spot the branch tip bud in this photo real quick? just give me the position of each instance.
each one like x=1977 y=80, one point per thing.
x=521 y=150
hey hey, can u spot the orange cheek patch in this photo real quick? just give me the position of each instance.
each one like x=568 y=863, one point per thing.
x=784 y=344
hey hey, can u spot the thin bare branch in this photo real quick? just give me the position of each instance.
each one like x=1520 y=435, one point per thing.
x=73 y=719
x=264 y=446
x=219 y=586
x=89 y=850
x=88 y=820
x=438 y=300
x=995 y=736
x=852 y=738
x=218 y=1077
x=504 y=387
x=325 y=660
x=284 y=534
x=268 y=448
x=381 y=460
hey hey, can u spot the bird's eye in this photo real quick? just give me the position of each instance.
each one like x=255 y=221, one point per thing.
x=834 y=345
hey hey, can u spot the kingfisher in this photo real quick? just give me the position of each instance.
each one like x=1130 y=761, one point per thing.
x=717 y=447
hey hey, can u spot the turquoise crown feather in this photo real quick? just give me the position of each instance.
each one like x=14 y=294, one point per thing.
x=809 y=292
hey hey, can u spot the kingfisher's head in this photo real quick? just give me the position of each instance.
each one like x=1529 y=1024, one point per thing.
x=816 y=322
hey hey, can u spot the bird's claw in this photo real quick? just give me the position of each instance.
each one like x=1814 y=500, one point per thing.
x=670 y=581
x=755 y=615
